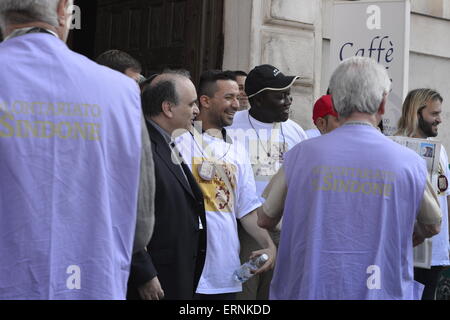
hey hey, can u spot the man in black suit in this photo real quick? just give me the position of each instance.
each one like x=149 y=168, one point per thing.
x=172 y=264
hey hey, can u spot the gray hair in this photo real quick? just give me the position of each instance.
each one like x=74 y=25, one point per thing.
x=359 y=85
x=25 y=11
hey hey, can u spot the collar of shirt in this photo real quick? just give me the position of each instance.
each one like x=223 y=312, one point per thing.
x=171 y=144
x=358 y=123
x=163 y=132
x=225 y=136
x=22 y=31
x=268 y=125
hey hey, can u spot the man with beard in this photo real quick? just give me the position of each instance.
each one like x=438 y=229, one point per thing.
x=222 y=169
x=267 y=133
x=420 y=118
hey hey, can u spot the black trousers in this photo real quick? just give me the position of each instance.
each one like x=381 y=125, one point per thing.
x=429 y=278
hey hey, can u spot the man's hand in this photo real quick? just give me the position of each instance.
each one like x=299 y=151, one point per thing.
x=249 y=222
x=271 y=252
x=151 y=290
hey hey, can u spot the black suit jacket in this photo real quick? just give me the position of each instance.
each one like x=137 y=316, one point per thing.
x=177 y=249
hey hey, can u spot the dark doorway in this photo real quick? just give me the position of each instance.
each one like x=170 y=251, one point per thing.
x=83 y=40
x=160 y=33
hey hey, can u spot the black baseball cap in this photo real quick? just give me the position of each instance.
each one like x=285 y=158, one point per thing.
x=267 y=77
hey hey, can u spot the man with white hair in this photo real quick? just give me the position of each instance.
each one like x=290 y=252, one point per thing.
x=70 y=145
x=349 y=201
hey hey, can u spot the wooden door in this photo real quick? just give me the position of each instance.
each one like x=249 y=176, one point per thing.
x=163 y=33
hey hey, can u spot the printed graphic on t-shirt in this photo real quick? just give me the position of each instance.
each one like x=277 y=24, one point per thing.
x=217 y=194
x=363 y=181
x=268 y=160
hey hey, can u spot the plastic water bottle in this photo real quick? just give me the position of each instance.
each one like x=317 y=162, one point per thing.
x=243 y=273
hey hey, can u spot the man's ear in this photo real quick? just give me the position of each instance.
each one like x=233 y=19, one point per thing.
x=321 y=124
x=62 y=11
x=382 y=107
x=166 y=108
x=204 y=101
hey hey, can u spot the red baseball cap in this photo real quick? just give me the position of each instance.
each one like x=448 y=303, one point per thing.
x=323 y=107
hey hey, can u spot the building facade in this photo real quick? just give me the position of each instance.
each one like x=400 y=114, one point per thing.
x=294 y=35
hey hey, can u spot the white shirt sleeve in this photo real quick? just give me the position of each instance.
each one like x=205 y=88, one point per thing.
x=444 y=162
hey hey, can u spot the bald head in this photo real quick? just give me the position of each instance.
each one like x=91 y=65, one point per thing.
x=170 y=75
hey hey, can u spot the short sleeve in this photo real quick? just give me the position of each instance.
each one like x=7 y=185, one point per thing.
x=444 y=162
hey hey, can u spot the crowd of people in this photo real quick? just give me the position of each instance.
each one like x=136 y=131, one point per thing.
x=120 y=186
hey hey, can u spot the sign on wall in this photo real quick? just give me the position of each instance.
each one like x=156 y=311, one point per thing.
x=379 y=30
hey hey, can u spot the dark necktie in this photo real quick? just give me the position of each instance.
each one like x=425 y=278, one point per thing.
x=184 y=167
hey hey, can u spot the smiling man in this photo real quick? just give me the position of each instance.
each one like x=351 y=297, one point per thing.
x=421 y=116
x=267 y=133
x=222 y=169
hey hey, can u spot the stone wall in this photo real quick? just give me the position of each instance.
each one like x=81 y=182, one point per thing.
x=429 y=59
x=284 y=33
x=294 y=35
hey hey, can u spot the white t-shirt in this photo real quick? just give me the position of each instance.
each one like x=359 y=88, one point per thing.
x=265 y=146
x=440 y=248
x=312 y=133
x=222 y=205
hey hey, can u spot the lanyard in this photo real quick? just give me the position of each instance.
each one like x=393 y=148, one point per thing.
x=22 y=31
